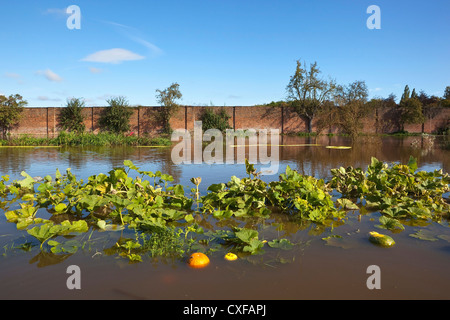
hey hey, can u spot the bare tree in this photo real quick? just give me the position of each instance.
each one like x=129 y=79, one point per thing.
x=351 y=100
x=307 y=92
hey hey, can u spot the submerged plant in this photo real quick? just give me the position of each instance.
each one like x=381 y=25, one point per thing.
x=164 y=218
x=398 y=191
x=239 y=197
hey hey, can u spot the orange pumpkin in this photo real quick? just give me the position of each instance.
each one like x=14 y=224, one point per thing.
x=198 y=260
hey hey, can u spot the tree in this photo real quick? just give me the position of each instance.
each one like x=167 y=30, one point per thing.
x=406 y=94
x=447 y=93
x=308 y=92
x=71 y=117
x=351 y=100
x=429 y=106
x=116 y=117
x=410 y=108
x=166 y=98
x=445 y=102
x=11 y=109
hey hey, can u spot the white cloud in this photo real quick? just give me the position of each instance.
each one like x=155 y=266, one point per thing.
x=105 y=96
x=375 y=89
x=114 y=56
x=45 y=98
x=50 y=75
x=12 y=75
x=95 y=70
x=134 y=35
x=61 y=12
x=154 y=49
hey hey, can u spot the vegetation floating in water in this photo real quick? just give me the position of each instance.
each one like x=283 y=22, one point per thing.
x=160 y=220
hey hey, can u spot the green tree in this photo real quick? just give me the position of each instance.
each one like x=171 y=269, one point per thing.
x=445 y=102
x=447 y=93
x=410 y=109
x=406 y=94
x=215 y=120
x=116 y=117
x=430 y=106
x=167 y=99
x=308 y=93
x=11 y=109
x=71 y=117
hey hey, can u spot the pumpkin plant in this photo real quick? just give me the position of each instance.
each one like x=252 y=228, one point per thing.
x=163 y=216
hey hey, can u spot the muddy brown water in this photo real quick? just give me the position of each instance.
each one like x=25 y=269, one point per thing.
x=315 y=269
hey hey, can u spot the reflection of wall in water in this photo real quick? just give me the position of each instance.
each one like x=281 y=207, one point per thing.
x=43 y=122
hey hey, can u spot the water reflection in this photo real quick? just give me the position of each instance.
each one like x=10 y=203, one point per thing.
x=309 y=160
x=297 y=280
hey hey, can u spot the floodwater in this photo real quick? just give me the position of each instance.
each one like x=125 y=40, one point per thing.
x=314 y=269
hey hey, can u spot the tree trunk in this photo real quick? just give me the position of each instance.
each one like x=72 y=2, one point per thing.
x=309 y=122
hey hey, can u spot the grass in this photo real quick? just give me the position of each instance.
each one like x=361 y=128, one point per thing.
x=88 y=139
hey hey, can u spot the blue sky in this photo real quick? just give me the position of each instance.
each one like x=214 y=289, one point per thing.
x=220 y=52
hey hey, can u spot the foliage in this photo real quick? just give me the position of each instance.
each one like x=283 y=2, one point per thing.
x=308 y=92
x=10 y=111
x=353 y=109
x=89 y=139
x=215 y=120
x=410 y=108
x=166 y=222
x=108 y=139
x=446 y=95
x=399 y=191
x=238 y=197
x=71 y=117
x=303 y=196
x=116 y=117
x=167 y=99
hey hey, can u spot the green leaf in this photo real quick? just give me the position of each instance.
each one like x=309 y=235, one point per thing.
x=60 y=207
x=283 y=244
x=390 y=223
x=246 y=235
x=412 y=164
x=11 y=216
x=189 y=218
x=129 y=164
x=26 y=183
x=101 y=224
x=178 y=190
x=347 y=204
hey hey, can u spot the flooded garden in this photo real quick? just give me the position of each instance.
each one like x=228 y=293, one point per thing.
x=130 y=218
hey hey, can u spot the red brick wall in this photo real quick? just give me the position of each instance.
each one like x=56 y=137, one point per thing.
x=43 y=122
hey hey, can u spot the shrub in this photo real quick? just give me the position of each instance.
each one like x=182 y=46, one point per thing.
x=215 y=120
x=116 y=118
x=71 y=117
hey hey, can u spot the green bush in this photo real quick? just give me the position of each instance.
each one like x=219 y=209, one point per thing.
x=71 y=117
x=215 y=120
x=116 y=118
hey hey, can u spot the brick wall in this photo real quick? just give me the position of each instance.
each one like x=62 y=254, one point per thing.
x=43 y=122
